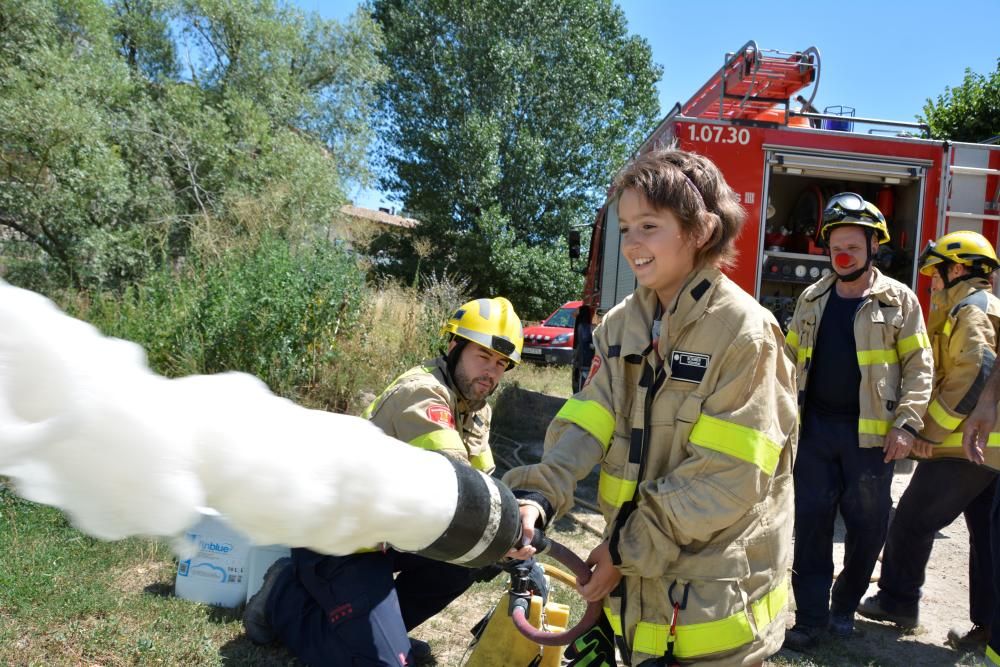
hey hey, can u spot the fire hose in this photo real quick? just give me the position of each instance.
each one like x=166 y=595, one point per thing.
x=520 y=594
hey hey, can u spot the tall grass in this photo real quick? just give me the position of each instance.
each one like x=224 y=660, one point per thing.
x=397 y=328
x=303 y=320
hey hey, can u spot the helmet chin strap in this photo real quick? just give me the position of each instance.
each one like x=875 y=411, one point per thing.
x=942 y=269
x=452 y=362
x=844 y=258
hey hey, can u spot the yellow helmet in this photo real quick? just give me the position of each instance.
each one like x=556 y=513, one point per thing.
x=491 y=323
x=963 y=247
x=849 y=208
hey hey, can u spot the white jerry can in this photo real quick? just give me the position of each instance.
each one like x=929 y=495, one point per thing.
x=217 y=573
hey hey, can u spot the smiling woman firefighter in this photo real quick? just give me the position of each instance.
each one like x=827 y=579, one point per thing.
x=690 y=410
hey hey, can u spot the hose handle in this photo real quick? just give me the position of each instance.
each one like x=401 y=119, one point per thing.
x=540 y=542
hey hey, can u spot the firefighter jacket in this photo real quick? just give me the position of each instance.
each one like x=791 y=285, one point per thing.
x=964 y=327
x=421 y=408
x=696 y=471
x=894 y=354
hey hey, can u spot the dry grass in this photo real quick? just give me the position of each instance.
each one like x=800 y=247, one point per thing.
x=398 y=327
x=551 y=380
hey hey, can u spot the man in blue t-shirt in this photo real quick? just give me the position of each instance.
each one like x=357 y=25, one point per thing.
x=864 y=369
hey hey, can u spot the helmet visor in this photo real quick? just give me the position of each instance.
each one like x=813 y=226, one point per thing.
x=849 y=205
x=929 y=258
x=503 y=346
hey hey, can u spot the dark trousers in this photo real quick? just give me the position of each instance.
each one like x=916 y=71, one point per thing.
x=938 y=492
x=350 y=610
x=833 y=473
x=993 y=648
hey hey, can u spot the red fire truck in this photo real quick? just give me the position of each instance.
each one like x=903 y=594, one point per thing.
x=785 y=163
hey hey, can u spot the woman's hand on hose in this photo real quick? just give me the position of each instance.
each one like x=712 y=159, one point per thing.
x=604 y=575
x=529 y=515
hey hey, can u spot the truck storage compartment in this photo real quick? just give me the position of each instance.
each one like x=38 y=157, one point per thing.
x=797 y=187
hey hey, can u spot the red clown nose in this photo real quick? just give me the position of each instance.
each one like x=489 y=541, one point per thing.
x=842 y=259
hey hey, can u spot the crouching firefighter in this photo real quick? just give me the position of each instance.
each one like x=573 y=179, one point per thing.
x=690 y=411
x=347 y=610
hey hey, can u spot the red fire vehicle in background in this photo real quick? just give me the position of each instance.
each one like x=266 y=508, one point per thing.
x=785 y=163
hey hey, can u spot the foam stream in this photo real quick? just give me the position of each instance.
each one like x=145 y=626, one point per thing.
x=86 y=426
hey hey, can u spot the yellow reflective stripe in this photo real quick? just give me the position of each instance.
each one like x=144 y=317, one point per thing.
x=768 y=607
x=992 y=655
x=615 y=621
x=743 y=442
x=442 y=438
x=803 y=354
x=483 y=461
x=367 y=414
x=955 y=440
x=911 y=343
x=869 y=357
x=592 y=417
x=614 y=490
x=697 y=639
x=946 y=329
x=792 y=338
x=938 y=414
x=873 y=426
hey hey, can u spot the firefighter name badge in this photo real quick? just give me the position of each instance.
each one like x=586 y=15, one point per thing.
x=441 y=414
x=688 y=366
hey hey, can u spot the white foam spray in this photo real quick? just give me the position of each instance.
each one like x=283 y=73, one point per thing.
x=87 y=427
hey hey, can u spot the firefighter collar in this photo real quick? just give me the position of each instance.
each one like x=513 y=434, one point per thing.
x=692 y=299
x=882 y=289
x=689 y=305
x=463 y=406
x=954 y=295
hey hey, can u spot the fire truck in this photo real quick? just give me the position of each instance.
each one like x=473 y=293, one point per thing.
x=784 y=164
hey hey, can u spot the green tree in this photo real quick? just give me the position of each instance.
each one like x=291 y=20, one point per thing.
x=131 y=127
x=504 y=122
x=63 y=186
x=968 y=112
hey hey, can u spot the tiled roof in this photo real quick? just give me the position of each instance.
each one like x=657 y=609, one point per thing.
x=379 y=216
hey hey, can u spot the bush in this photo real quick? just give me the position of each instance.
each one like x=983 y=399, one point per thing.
x=301 y=320
x=398 y=328
x=274 y=312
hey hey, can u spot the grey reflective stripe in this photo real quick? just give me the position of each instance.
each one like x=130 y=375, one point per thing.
x=484 y=308
x=492 y=526
x=976 y=299
x=971 y=397
x=485 y=525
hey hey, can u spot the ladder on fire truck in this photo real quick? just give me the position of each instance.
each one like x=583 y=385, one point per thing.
x=753 y=81
x=971 y=171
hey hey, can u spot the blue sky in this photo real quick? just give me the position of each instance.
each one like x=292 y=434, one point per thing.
x=882 y=58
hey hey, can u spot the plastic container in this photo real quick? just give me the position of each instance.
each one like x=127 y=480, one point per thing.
x=502 y=644
x=844 y=124
x=837 y=124
x=216 y=575
x=261 y=558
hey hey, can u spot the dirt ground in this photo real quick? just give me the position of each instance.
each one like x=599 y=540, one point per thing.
x=945 y=604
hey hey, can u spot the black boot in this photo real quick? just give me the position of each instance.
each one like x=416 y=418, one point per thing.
x=878 y=608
